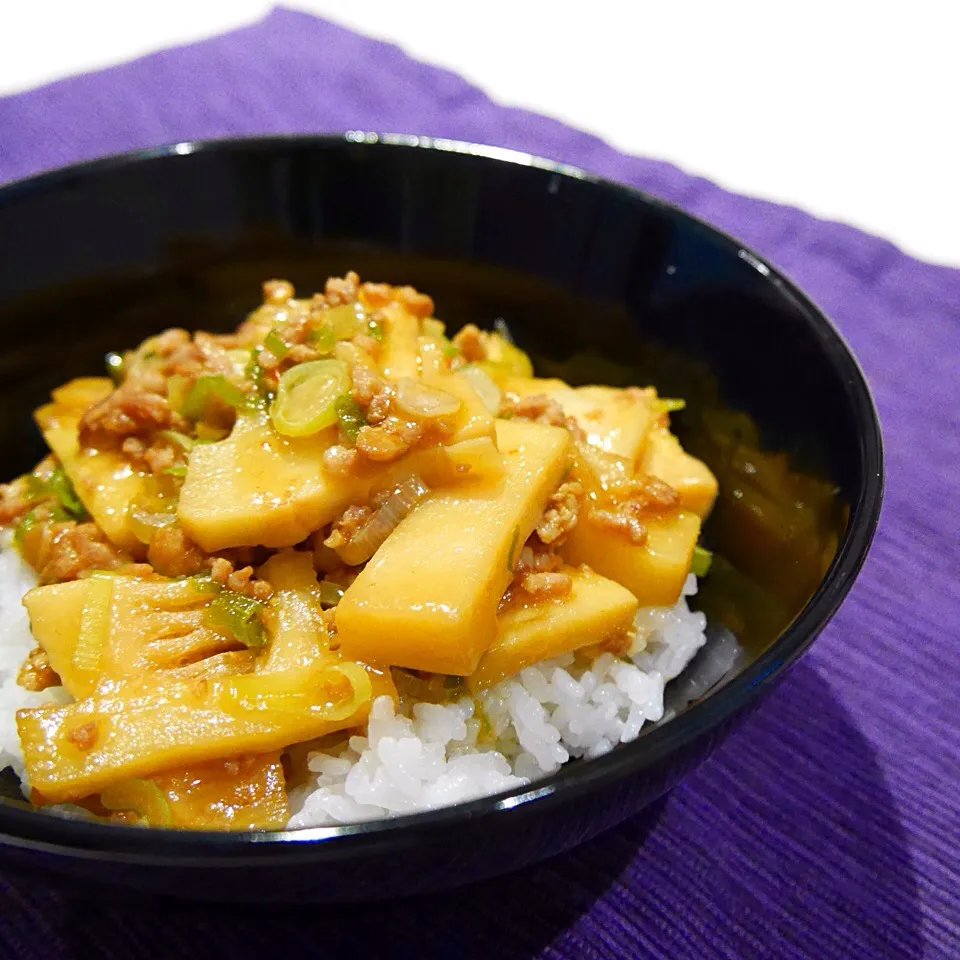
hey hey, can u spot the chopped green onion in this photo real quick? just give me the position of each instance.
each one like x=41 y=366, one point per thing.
x=323 y=337
x=375 y=329
x=502 y=330
x=114 y=364
x=60 y=484
x=330 y=593
x=177 y=470
x=350 y=416
x=204 y=389
x=306 y=397
x=180 y=439
x=702 y=559
x=57 y=484
x=25 y=523
x=670 y=405
x=237 y=616
x=450 y=350
x=262 y=395
x=274 y=343
x=203 y=583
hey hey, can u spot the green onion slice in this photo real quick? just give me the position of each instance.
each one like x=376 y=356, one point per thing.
x=58 y=483
x=702 y=559
x=275 y=345
x=330 y=593
x=323 y=337
x=114 y=363
x=307 y=394
x=207 y=387
x=184 y=442
x=237 y=616
x=351 y=418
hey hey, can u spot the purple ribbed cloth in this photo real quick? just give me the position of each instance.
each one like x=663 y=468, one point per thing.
x=829 y=824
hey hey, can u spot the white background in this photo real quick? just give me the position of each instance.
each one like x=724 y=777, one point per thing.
x=847 y=109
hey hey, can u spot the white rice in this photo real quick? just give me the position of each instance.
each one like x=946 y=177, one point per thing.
x=433 y=755
x=520 y=730
x=16 y=641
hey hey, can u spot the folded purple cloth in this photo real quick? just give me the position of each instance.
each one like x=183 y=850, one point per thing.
x=829 y=824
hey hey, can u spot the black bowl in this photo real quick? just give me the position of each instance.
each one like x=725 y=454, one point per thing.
x=600 y=283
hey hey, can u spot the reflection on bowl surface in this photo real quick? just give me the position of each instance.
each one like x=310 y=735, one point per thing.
x=600 y=285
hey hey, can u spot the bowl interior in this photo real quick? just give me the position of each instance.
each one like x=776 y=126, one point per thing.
x=600 y=284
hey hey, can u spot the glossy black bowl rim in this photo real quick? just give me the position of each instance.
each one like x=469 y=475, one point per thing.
x=88 y=840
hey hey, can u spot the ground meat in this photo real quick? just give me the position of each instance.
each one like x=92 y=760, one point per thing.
x=470 y=344
x=239 y=581
x=329 y=620
x=61 y=551
x=17 y=497
x=541 y=409
x=296 y=353
x=36 y=673
x=268 y=361
x=127 y=411
x=173 y=554
x=277 y=292
x=220 y=569
x=160 y=457
x=24 y=493
x=339 y=460
x=419 y=304
x=83 y=737
x=380 y=404
x=648 y=497
x=651 y=496
x=14 y=501
x=376 y=294
x=167 y=343
x=216 y=360
x=623 y=521
x=534 y=559
x=560 y=516
x=388 y=441
x=366 y=385
x=156 y=457
x=168 y=353
x=339 y=290
x=544 y=585
x=301 y=353
x=136 y=570
x=352 y=520
x=186 y=361
x=366 y=343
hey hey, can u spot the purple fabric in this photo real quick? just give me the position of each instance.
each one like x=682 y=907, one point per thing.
x=829 y=824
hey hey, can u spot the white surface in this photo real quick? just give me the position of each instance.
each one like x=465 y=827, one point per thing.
x=846 y=109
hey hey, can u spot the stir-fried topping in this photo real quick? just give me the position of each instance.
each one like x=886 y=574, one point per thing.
x=239 y=536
